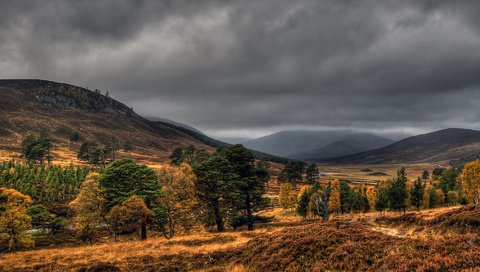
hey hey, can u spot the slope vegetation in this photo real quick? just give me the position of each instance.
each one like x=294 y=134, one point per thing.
x=438 y=146
x=27 y=106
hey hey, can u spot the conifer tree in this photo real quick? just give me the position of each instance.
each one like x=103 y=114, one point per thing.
x=416 y=194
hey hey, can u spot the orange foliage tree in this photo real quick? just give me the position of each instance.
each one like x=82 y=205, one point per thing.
x=129 y=216
x=334 y=201
x=14 y=220
x=471 y=181
x=179 y=201
x=88 y=208
x=372 y=195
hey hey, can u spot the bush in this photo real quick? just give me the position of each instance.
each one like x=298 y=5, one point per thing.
x=57 y=224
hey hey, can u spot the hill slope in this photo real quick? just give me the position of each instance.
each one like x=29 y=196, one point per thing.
x=438 y=146
x=30 y=105
x=316 y=145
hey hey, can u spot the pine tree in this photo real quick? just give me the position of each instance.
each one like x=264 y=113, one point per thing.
x=416 y=194
x=125 y=178
x=397 y=191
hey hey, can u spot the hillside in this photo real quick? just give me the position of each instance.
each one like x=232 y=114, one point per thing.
x=27 y=106
x=316 y=145
x=439 y=146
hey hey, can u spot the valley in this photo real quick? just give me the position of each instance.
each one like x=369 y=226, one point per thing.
x=96 y=187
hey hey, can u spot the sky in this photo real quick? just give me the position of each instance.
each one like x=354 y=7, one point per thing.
x=250 y=68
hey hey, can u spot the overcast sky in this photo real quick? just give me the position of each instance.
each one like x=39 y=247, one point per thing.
x=248 y=68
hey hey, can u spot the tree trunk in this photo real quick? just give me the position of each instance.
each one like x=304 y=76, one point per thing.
x=143 y=235
x=248 y=207
x=218 y=216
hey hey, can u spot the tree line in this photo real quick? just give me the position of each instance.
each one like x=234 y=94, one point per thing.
x=220 y=190
x=442 y=187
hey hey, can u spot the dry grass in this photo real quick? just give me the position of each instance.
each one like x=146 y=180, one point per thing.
x=355 y=173
x=120 y=254
x=288 y=243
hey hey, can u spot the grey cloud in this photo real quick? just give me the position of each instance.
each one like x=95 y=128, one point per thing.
x=259 y=65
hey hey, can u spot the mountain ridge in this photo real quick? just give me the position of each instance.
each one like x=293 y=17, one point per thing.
x=309 y=144
x=437 y=146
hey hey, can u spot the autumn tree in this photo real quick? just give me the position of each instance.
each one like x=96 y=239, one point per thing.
x=287 y=197
x=372 y=195
x=304 y=200
x=426 y=196
x=179 y=203
x=334 y=204
x=130 y=216
x=319 y=201
x=471 y=181
x=88 y=208
x=416 y=194
x=14 y=219
x=452 y=197
x=125 y=178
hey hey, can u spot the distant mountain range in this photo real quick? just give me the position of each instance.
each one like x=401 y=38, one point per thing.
x=438 y=146
x=317 y=145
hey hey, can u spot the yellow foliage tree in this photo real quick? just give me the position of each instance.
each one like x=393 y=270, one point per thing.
x=439 y=197
x=334 y=201
x=426 y=197
x=372 y=196
x=287 y=197
x=130 y=216
x=471 y=181
x=14 y=220
x=179 y=201
x=88 y=208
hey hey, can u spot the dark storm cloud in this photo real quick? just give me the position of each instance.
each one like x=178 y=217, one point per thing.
x=243 y=68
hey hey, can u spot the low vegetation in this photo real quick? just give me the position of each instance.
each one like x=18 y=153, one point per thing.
x=198 y=201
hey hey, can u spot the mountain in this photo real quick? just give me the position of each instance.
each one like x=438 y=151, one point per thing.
x=316 y=145
x=438 y=146
x=27 y=106
x=177 y=124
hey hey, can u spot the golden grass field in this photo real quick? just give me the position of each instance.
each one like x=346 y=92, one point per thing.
x=196 y=252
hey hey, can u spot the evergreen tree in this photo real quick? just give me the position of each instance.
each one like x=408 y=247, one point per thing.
x=74 y=137
x=382 y=201
x=177 y=156
x=214 y=174
x=425 y=175
x=312 y=173
x=248 y=188
x=345 y=199
x=125 y=178
x=128 y=146
x=397 y=191
x=416 y=194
